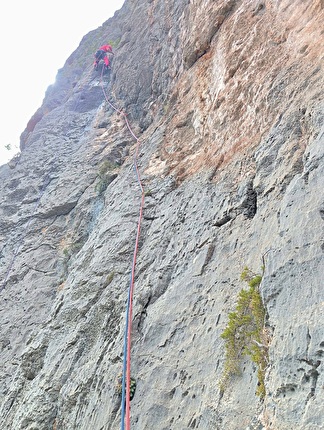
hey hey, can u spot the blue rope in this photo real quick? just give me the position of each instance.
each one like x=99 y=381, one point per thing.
x=123 y=400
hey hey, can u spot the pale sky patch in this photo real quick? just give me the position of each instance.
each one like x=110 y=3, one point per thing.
x=36 y=38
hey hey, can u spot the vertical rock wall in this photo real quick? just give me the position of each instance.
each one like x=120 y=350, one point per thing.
x=227 y=99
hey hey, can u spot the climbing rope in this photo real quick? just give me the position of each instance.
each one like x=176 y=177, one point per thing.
x=126 y=378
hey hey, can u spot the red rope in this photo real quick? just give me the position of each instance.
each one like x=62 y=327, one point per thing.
x=129 y=329
x=132 y=282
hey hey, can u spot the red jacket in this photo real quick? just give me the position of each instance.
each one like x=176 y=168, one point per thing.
x=106 y=48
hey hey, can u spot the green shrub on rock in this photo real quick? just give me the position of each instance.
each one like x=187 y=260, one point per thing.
x=244 y=334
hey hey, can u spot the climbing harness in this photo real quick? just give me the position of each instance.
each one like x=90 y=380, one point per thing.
x=126 y=383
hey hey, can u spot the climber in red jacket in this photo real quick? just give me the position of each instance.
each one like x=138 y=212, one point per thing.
x=101 y=54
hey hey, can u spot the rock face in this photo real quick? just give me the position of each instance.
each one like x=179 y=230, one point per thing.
x=226 y=98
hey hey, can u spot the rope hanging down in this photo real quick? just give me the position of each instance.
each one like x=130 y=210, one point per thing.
x=126 y=379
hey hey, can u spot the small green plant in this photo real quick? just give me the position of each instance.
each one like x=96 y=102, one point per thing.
x=104 y=176
x=114 y=42
x=68 y=252
x=244 y=334
x=109 y=279
x=73 y=248
x=166 y=107
x=105 y=167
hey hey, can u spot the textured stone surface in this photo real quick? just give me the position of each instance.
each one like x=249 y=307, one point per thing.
x=227 y=99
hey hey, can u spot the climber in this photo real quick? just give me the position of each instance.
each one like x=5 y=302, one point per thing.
x=101 y=54
x=132 y=386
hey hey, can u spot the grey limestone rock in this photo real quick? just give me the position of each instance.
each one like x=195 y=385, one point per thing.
x=226 y=99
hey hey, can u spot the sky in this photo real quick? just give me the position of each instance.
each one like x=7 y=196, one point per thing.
x=36 y=38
